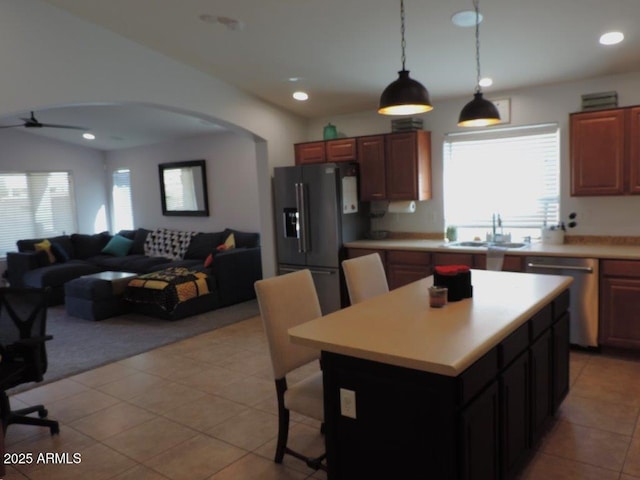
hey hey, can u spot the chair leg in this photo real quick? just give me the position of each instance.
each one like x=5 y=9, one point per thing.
x=283 y=421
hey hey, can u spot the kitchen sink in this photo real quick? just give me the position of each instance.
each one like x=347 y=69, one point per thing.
x=483 y=245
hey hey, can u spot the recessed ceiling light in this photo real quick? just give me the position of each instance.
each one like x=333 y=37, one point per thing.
x=300 y=96
x=294 y=79
x=486 y=82
x=88 y=136
x=611 y=38
x=465 y=18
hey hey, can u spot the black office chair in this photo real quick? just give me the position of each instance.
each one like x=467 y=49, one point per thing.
x=23 y=318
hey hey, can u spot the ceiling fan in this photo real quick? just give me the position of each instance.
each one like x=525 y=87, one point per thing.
x=32 y=122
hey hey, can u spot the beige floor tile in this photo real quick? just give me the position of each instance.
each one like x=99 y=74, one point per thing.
x=150 y=439
x=215 y=354
x=97 y=462
x=132 y=385
x=246 y=362
x=206 y=412
x=79 y=405
x=139 y=472
x=589 y=412
x=210 y=379
x=51 y=392
x=614 y=382
x=197 y=458
x=632 y=462
x=628 y=477
x=302 y=438
x=550 y=467
x=102 y=375
x=248 y=430
x=112 y=420
x=164 y=397
x=252 y=467
x=13 y=474
x=587 y=445
x=248 y=391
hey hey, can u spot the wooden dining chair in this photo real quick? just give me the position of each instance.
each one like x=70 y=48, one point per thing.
x=365 y=277
x=286 y=301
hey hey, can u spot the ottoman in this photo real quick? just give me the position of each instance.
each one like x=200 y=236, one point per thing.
x=97 y=296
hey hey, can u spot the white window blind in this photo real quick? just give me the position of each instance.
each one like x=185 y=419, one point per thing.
x=512 y=172
x=121 y=198
x=35 y=205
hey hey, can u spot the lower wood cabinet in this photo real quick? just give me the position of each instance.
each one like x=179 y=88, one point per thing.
x=619 y=304
x=404 y=267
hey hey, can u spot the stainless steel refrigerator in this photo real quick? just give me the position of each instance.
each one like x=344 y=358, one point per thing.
x=316 y=212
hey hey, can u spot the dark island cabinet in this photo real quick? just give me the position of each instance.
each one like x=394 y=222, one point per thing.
x=481 y=424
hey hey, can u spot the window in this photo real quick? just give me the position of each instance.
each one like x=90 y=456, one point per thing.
x=512 y=172
x=121 y=198
x=35 y=205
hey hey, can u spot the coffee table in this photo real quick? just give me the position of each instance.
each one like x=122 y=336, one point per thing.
x=97 y=296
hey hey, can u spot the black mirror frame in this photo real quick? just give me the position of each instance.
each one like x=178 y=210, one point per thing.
x=204 y=212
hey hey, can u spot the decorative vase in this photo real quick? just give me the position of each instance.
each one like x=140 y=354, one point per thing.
x=330 y=132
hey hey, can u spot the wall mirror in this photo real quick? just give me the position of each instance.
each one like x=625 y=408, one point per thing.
x=183 y=188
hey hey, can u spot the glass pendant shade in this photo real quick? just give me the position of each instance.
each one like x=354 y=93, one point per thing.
x=404 y=96
x=479 y=112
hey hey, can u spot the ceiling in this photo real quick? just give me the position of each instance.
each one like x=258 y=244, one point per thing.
x=346 y=52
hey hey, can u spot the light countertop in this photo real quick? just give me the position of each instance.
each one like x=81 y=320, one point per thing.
x=399 y=328
x=565 y=250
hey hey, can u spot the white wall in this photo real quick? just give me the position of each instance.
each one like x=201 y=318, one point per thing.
x=232 y=181
x=26 y=152
x=51 y=58
x=596 y=215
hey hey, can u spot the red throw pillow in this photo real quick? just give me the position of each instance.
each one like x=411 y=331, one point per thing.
x=208 y=261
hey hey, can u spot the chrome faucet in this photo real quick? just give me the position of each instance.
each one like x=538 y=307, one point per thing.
x=495 y=220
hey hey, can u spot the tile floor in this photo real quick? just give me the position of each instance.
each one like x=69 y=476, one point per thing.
x=156 y=416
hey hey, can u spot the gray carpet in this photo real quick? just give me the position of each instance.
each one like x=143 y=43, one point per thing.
x=79 y=345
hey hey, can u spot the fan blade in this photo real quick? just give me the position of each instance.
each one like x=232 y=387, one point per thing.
x=12 y=126
x=52 y=125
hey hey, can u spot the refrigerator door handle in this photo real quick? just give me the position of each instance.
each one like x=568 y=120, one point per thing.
x=303 y=238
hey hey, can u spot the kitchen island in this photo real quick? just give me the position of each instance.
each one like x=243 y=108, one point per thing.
x=461 y=392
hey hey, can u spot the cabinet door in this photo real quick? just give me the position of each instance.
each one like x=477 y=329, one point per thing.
x=633 y=137
x=619 y=307
x=408 y=165
x=371 y=158
x=480 y=438
x=404 y=267
x=453 y=259
x=516 y=417
x=560 y=332
x=598 y=153
x=511 y=263
x=310 y=152
x=342 y=150
x=540 y=384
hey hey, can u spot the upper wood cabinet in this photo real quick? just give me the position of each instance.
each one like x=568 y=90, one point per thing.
x=371 y=158
x=310 y=152
x=408 y=165
x=605 y=152
x=395 y=166
x=341 y=150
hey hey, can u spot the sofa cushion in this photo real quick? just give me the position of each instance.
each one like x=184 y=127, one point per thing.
x=58 y=274
x=203 y=244
x=63 y=240
x=163 y=242
x=118 y=246
x=139 y=238
x=59 y=252
x=86 y=246
x=243 y=239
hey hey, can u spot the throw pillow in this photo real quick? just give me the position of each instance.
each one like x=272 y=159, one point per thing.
x=208 y=261
x=45 y=245
x=170 y=244
x=59 y=252
x=118 y=246
x=228 y=244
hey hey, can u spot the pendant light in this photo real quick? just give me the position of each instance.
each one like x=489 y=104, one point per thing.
x=478 y=112
x=405 y=96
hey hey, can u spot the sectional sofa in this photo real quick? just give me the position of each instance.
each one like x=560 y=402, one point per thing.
x=231 y=272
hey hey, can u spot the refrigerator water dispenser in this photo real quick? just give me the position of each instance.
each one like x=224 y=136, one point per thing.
x=291 y=226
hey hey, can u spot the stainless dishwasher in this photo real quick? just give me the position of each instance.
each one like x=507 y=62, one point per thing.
x=584 y=293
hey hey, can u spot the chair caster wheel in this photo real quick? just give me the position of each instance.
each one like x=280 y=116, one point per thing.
x=43 y=413
x=55 y=430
